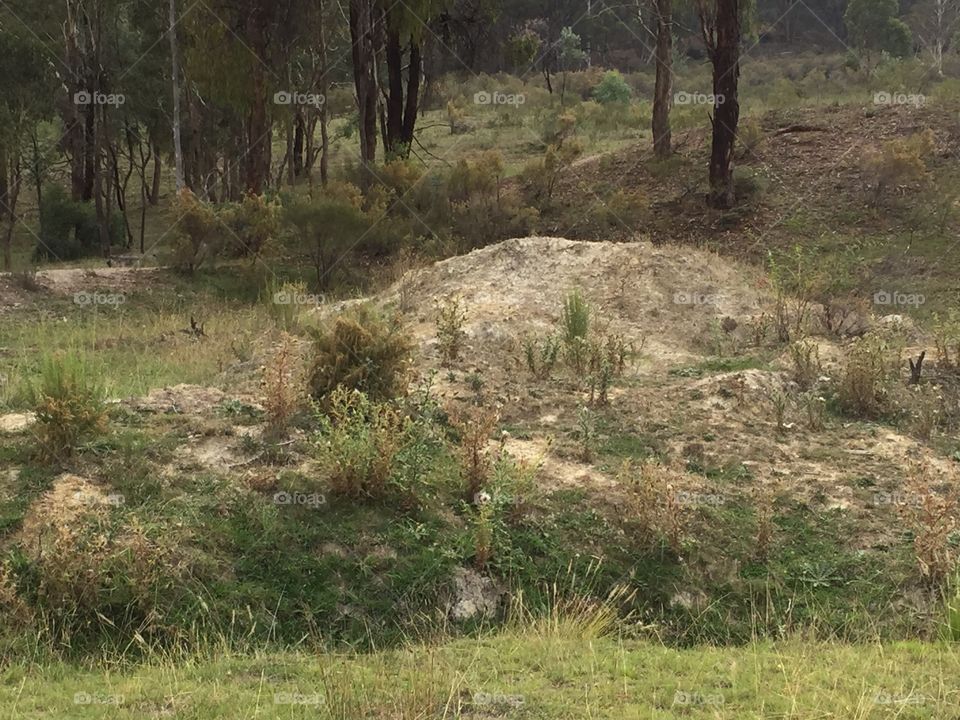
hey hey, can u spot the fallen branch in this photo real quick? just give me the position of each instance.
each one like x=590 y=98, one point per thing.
x=799 y=128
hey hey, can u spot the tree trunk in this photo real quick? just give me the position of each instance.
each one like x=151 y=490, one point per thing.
x=663 y=90
x=175 y=75
x=413 y=94
x=363 y=53
x=157 y=172
x=393 y=128
x=298 y=151
x=325 y=91
x=724 y=49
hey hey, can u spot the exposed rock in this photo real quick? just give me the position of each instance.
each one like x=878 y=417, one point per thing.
x=475 y=596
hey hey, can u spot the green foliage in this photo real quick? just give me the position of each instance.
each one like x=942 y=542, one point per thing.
x=874 y=25
x=357 y=444
x=522 y=49
x=254 y=223
x=612 y=89
x=69 y=230
x=196 y=239
x=68 y=401
x=363 y=350
x=575 y=325
x=328 y=228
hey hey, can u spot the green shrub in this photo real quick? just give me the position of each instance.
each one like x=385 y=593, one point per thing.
x=364 y=351
x=327 y=228
x=612 y=89
x=68 y=401
x=69 y=230
x=254 y=223
x=357 y=444
x=575 y=318
x=376 y=450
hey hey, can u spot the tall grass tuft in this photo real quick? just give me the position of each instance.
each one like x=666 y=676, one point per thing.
x=68 y=400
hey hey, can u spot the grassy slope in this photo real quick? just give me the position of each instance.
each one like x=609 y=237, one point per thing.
x=532 y=675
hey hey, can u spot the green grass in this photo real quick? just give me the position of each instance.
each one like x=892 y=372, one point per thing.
x=521 y=674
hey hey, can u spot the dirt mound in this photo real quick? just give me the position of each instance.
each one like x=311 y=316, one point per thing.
x=180 y=399
x=670 y=298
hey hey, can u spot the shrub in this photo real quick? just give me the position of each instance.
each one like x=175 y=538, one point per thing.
x=68 y=401
x=362 y=350
x=612 y=89
x=255 y=223
x=328 y=228
x=69 y=229
x=871 y=367
x=475 y=428
x=87 y=569
x=896 y=163
x=932 y=519
x=541 y=355
x=280 y=383
x=575 y=326
x=805 y=363
x=450 y=334
x=358 y=443
x=540 y=176
x=195 y=240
